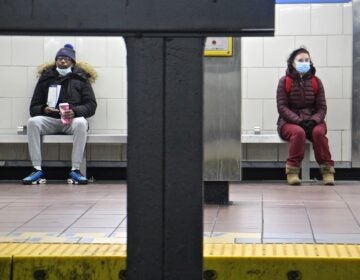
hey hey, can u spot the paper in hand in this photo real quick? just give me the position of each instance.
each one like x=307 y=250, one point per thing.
x=53 y=95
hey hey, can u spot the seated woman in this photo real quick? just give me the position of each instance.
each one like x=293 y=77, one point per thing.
x=302 y=109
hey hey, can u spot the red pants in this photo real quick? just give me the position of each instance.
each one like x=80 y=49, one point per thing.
x=295 y=134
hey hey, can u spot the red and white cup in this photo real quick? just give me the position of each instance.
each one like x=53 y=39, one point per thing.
x=63 y=108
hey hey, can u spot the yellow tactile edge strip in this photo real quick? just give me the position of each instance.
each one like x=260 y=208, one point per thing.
x=23 y=261
x=60 y=250
x=210 y=250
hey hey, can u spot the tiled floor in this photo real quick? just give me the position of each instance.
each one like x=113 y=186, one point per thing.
x=259 y=213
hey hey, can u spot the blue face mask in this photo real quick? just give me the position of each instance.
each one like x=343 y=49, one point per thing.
x=63 y=72
x=302 y=67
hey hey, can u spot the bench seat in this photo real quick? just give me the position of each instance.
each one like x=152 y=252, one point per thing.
x=67 y=139
x=122 y=138
x=275 y=139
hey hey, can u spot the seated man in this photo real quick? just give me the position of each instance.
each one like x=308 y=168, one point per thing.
x=61 y=82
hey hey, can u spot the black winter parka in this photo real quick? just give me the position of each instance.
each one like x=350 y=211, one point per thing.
x=75 y=90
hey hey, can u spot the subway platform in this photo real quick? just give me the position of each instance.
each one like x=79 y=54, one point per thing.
x=304 y=228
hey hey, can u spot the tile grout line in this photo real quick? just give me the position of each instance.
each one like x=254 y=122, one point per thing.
x=347 y=206
x=109 y=236
x=309 y=220
x=215 y=221
x=59 y=235
x=11 y=232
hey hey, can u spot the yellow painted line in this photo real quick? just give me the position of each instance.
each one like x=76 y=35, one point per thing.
x=223 y=261
x=254 y=235
x=61 y=250
x=229 y=237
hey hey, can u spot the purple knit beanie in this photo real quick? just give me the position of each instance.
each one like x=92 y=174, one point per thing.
x=67 y=50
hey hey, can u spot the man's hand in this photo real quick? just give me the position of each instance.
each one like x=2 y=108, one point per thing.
x=68 y=114
x=51 y=111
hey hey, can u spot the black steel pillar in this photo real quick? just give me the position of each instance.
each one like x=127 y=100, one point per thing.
x=165 y=157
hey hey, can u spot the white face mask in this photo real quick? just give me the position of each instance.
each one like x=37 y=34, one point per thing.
x=63 y=72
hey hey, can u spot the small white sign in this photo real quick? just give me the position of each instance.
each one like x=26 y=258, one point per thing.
x=216 y=44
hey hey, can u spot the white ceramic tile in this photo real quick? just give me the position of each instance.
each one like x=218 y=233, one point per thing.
x=13 y=81
x=335 y=144
x=281 y=72
x=339 y=50
x=262 y=82
x=53 y=44
x=32 y=78
x=244 y=82
x=332 y=80
x=99 y=120
x=27 y=51
x=20 y=112
x=252 y=52
x=326 y=19
x=125 y=84
x=251 y=114
x=117 y=113
x=110 y=83
x=277 y=50
x=262 y=152
x=348 y=18
x=92 y=50
x=270 y=115
x=347 y=82
x=316 y=45
x=5 y=53
x=338 y=114
x=346 y=145
x=5 y=112
x=292 y=19
x=116 y=52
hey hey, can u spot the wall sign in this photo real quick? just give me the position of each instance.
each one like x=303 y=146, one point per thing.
x=218 y=46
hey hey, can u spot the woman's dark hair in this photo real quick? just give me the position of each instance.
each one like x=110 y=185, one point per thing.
x=292 y=56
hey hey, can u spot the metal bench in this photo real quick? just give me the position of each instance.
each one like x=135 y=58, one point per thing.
x=67 y=139
x=122 y=138
x=275 y=139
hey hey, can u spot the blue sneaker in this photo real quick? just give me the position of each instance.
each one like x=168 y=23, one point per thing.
x=75 y=177
x=36 y=177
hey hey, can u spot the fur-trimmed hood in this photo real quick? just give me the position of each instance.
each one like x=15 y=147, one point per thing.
x=82 y=66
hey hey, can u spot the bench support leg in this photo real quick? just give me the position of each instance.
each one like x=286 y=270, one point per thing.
x=216 y=192
x=305 y=165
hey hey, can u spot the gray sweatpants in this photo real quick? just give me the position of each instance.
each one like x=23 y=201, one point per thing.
x=41 y=125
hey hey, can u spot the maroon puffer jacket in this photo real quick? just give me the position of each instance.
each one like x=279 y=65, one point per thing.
x=302 y=103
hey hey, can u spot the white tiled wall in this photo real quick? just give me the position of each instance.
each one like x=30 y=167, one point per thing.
x=20 y=56
x=326 y=30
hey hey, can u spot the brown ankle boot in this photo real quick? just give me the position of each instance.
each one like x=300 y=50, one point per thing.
x=328 y=175
x=292 y=174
